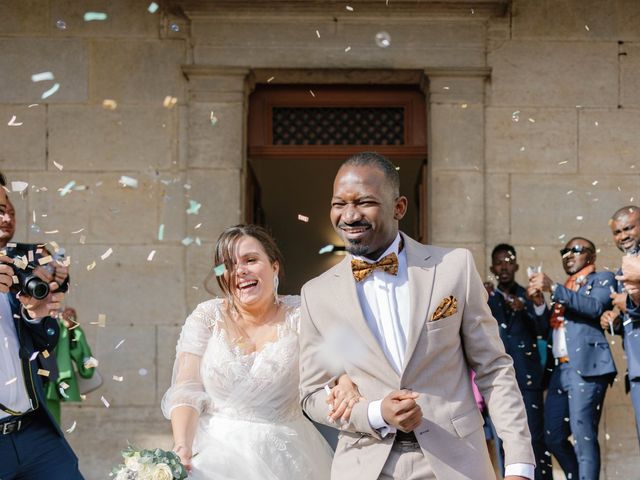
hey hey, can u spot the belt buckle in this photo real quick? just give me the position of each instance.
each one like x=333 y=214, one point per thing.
x=10 y=427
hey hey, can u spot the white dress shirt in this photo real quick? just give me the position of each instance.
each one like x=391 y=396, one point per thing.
x=13 y=392
x=384 y=300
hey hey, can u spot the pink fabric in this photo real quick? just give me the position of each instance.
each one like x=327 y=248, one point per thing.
x=476 y=393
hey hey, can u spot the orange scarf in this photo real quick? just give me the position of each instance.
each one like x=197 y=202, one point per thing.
x=574 y=282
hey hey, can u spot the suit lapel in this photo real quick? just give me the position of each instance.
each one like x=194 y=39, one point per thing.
x=422 y=271
x=346 y=295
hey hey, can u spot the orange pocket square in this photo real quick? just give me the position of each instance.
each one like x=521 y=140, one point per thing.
x=448 y=306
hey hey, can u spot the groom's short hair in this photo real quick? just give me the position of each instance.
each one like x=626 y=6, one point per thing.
x=373 y=159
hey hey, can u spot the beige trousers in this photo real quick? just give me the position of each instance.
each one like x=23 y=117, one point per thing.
x=406 y=463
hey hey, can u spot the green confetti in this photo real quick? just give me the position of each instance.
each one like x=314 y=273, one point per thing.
x=219 y=269
x=161 y=232
x=326 y=249
x=67 y=188
x=153 y=7
x=51 y=91
x=94 y=16
x=194 y=207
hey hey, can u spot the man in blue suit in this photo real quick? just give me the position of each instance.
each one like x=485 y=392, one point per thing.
x=584 y=365
x=32 y=446
x=522 y=320
x=625 y=316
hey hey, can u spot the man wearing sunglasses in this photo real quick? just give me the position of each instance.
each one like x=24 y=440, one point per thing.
x=584 y=365
x=625 y=316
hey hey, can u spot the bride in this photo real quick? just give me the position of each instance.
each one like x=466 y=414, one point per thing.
x=234 y=398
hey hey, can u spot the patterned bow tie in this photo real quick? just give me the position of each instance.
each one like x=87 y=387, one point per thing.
x=362 y=269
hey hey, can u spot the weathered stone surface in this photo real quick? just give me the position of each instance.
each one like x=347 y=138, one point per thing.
x=20 y=204
x=23 y=146
x=497 y=208
x=98 y=454
x=609 y=141
x=456 y=207
x=108 y=213
x=167 y=340
x=125 y=18
x=126 y=287
x=137 y=72
x=27 y=17
x=219 y=193
x=20 y=58
x=530 y=140
x=128 y=138
x=545 y=73
x=199 y=265
x=629 y=72
x=174 y=194
x=219 y=145
x=465 y=87
x=465 y=149
x=542 y=208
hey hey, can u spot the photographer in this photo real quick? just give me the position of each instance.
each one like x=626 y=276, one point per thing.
x=32 y=447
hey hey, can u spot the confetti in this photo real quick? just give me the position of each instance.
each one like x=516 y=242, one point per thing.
x=95 y=16
x=161 y=232
x=72 y=427
x=383 y=39
x=106 y=403
x=67 y=188
x=270 y=79
x=563 y=162
x=594 y=183
x=347 y=49
x=106 y=254
x=43 y=373
x=197 y=226
x=102 y=321
x=128 y=181
x=186 y=241
x=109 y=104
x=91 y=362
x=586 y=27
x=33 y=356
x=318 y=33
x=58 y=165
x=120 y=343
x=579 y=217
x=219 y=269
x=142 y=372
x=117 y=378
x=9 y=382
x=531 y=120
x=151 y=255
x=13 y=123
x=169 y=101
x=349 y=8
x=326 y=249
x=303 y=218
x=312 y=94
x=45 y=260
x=153 y=7
x=41 y=77
x=51 y=91
x=213 y=119
x=464 y=105
x=446 y=88
x=194 y=207
x=18 y=186
x=174 y=27
x=61 y=24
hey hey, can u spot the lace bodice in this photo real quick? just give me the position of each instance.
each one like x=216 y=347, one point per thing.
x=214 y=376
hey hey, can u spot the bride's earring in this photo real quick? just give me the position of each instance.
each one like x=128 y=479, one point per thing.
x=276 y=282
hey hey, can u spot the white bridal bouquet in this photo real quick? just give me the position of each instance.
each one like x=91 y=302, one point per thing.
x=153 y=464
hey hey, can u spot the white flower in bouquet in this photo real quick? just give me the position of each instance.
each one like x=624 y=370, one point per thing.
x=162 y=471
x=133 y=462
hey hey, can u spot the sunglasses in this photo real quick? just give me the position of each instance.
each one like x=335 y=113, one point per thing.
x=576 y=250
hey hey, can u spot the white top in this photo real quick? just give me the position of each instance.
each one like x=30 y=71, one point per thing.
x=13 y=392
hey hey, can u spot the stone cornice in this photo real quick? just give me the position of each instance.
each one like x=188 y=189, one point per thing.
x=458 y=72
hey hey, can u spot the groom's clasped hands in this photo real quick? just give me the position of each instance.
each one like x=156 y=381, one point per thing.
x=400 y=410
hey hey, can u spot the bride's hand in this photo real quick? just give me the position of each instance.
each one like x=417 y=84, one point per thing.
x=185 y=455
x=342 y=399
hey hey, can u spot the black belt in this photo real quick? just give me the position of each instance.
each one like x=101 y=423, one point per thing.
x=405 y=438
x=15 y=423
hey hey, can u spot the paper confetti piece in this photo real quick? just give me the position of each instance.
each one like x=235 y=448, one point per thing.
x=318 y=33
x=219 y=269
x=142 y=372
x=105 y=402
x=117 y=378
x=186 y=241
x=91 y=362
x=194 y=207
x=95 y=16
x=18 y=186
x=326 y=249
x=45 y=353
x=45 y=260
x=58 y=165
x=43 y=373
x=102 y=321
x=106 y=254
x=78 y=231
x=109 y=104
x=153 y=7
x=51 y=91
x=270 y=79
x=151 y=255
x=312 y=94
x=197 y=226
x=347 y=49
x=67 y=188
x=120 y=343
x=41 y=77
x=161 y=232
x=349 y=8
x=169 y=101
x=213 y=119
x=72 y=427
x=9 y=382
x=33 y=356
x=13 y=123
x=303 y=218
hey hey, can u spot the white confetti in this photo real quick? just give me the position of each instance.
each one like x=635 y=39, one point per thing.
x=41 y=77
x=349 y=7
x=318 y=33
x=303 y=218
x=270 y=79
x=13 y=123
x=117 y=378
x=58 y=165
x=18 y=186
x=72 y=427
x=579 y=217
x=10 y=381
x=130 y=182
x=151 y=255
x=106 y=254
x=169 y=101
x=106 y=403
x=347 y=49
x=109 y=104
x=153 y=7
x=142 y=372
x=51 y=91
x=120 y=343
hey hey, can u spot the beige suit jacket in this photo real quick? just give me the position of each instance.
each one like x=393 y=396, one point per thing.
x=437 y=361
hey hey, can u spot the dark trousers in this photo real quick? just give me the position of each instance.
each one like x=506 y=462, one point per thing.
x=37 y=452
x=534 y=403
x=579 y=400
x=635 y=400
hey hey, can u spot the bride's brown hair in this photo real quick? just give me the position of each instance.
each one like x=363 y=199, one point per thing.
x=224 y=254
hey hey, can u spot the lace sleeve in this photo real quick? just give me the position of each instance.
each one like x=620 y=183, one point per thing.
x=186 y=384
x=292 y=303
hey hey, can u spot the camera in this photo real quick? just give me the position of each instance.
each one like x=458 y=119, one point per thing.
x=26 y=258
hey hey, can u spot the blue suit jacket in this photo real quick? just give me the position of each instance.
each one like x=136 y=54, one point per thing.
x=631 y=338
x=588 y=348
x=35 y=337
x=519 y=332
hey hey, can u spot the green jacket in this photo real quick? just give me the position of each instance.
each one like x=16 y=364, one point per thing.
x=72 y=348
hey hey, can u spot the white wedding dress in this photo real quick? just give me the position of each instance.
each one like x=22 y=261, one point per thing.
x=251 y=426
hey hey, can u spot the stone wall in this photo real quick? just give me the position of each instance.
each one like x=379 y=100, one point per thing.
x=564 y=70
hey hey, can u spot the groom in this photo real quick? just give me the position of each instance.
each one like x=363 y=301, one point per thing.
x=416 y=320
